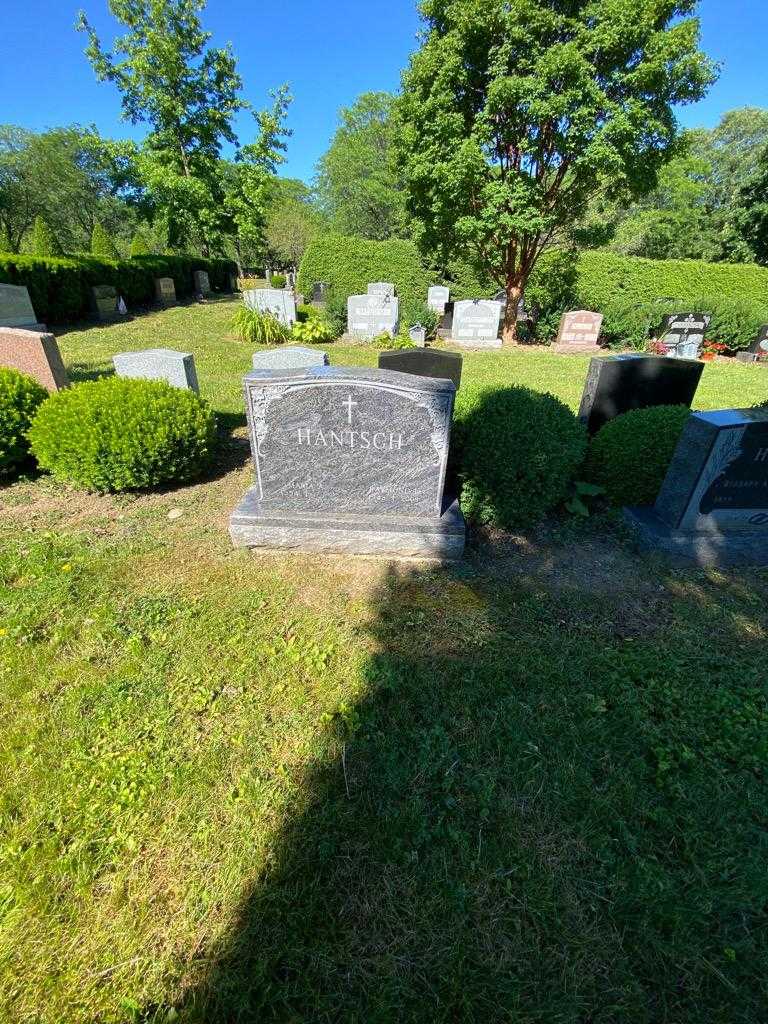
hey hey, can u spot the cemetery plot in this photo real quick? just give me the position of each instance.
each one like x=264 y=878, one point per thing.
x=437 y=297
x=201 y=282
x=289 y=357
x=165 y=291
x=371 y=315
x=106 y=303
x=476 y=323
x=683 y=334
x=424 y=363
x=579 y=332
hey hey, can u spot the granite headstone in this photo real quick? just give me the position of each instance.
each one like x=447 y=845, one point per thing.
x=424 y=362
x=289 y=357
x=35 y=353
x=106 y=303
x=437 y=297
x=579 y=332
x=382 y=289
x=618 y=384
x=476 y=323
x=177 y=368
x=418 y=335
x=712 y=508
x=202 y=283
x=349 y=460
x=371 y=315
x=320 y=290
x=683 y=334
x=758 y=350
x=279 y=302
x=16 y=308
x=165 y=291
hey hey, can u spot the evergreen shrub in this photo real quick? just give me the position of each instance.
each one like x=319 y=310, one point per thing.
x=20 y=398
x=117 y=434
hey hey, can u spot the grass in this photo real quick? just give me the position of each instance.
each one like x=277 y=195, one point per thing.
x=242 y=787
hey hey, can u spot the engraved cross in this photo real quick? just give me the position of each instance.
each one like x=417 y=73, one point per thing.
x=349 y=404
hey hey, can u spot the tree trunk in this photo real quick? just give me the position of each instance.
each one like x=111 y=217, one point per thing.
x=509 y=329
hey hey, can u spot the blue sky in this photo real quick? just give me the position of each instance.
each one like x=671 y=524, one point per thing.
x=328 y=50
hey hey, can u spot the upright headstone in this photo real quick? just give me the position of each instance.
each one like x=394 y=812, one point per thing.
x=202 y=283
x=16 y=308
x=279 y=302
x=418 y=335
x=289 y=357
x=232 y=283
x=579 y=333
x=320 y=290
x=424 y=362
x=712 y=508
x=382 y=289
x=35 y=353
x=371 y=315
x=106 y=303
x=758 y=350
x=178 y=368
x=437 y=297
x=618 y=384
x=476 y=323
x=683 y=334
x=165 y=291
x=349 y=460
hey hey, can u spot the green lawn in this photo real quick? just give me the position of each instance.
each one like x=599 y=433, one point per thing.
x=258 y=787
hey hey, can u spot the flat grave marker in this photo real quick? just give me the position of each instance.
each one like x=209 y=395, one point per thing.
x=16 y=308
x=476 y=323
x=36 y=353
x=349 y=460
x=177 y=368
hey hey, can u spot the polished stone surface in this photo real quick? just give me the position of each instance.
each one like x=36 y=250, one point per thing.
x=165 y=291
x=437 y=297
x=16 y=308
x=683 y=334
x=105 y=302
x=426 y=362
x=289 y=357
x=201 y=282
x=476 y=323
x=279 y=302
x=34 y=353
x=178 y=368
x=371 y=315
x=580 y=327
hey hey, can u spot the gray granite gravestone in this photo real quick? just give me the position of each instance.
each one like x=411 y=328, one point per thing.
x=579 y=333
x=371 y=315
x=618 y=384
x=476 y=323
x=382 y=289
x=424 y=362
x=165 y=291
x=105 y=303
x=289 y=357
x=279 y=302
x=437 y=297
x=712 y=508
x=418 y=335
x=320 y=290
x=16 y=308
x=683 y=334
x=178 y=368
x=202 y=282
x=349 y=460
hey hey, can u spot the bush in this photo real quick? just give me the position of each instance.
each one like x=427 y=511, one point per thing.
x=314 y=330
x=139 y=245
x=59 y=287
x=43 y=242
x=20 y=398
x=386 y=342
x=517 y=451
x=277 y=281
x=419 y=313
x=306 y=312
x=117 y=434
x=102 y=244
x=259 y=328
x=630 y=455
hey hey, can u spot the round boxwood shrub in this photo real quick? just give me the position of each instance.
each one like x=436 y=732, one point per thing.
x=118 y=434
x=517 y=451
x=20 y=398
x=630 y=455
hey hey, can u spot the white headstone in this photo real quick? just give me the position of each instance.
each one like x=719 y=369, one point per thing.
x=382 y=288
x=476 y=323
x=370 y=315
x=437 y=297
x=278 y=301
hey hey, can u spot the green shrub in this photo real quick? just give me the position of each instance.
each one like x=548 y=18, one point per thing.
x=336 y=313
x=314 y=330
x=419 y=313
x=139 y=245
x=116 y=434
x=631 y=454
x=42 y=241
x=259 y=328
x=386 y=342
x=277 y=281
x=20 y=398
x=307 y=312
x=102 y=244
x=517 y=451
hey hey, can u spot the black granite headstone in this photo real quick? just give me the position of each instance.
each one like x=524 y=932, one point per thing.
x=320 y=291
x=619 y=384
x=759 y=346
x=683 y=334
x=424 y=362
x=352 y=460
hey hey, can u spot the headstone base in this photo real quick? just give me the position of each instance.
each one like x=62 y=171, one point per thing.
x=751 y=358
x=396 y=537
x=575 y=348
x=684 y=549
x=477 y=343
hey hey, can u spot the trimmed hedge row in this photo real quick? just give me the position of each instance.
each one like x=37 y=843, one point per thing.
x=59 y=287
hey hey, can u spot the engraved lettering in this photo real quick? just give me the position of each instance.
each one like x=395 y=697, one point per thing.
x=365 y=439
x=337 y=439
x=302 y=432
x=395 y=441
x=762 y=455
x=320 y=440
x=379 y=447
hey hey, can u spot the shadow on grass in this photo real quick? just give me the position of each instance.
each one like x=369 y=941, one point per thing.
x=81 y=326
x=531 y=815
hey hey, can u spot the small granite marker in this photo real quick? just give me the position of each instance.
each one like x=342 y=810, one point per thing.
x=383 y=289
x=289 y=357
x=579 y=333
x=349 y=460
x=105 y=303
x=713 y=505
x=178 y=368
x=418 y=335
x=424 y=362
x=34 y=353
x=437 y=297
x=320 y=290
x=683 y=334
x=618 y=384
x=165 y=291
x=279 y=302
x=16 y=308
x=371 y=315
x=202 y=283
x=476 y=323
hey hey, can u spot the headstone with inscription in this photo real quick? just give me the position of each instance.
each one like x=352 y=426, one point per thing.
x=683 y=334
x=371 y=315
x=712 y=508
x=424 y=362
x=202 y=283
x=476 y=323
x=618 y=384
x=289 y=357
x=320 y=290
x=579 y=333
x=177 y=368
x=437 y=297
x=349 y=460
x=758 y=350
x=16 y=308
x=382 y=289
x=106 y=303
x=165 y=291
x=279 y=302
x=418 y=335
x=35 y=353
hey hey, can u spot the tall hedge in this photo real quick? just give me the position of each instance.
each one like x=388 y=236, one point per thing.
x=59 y=287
